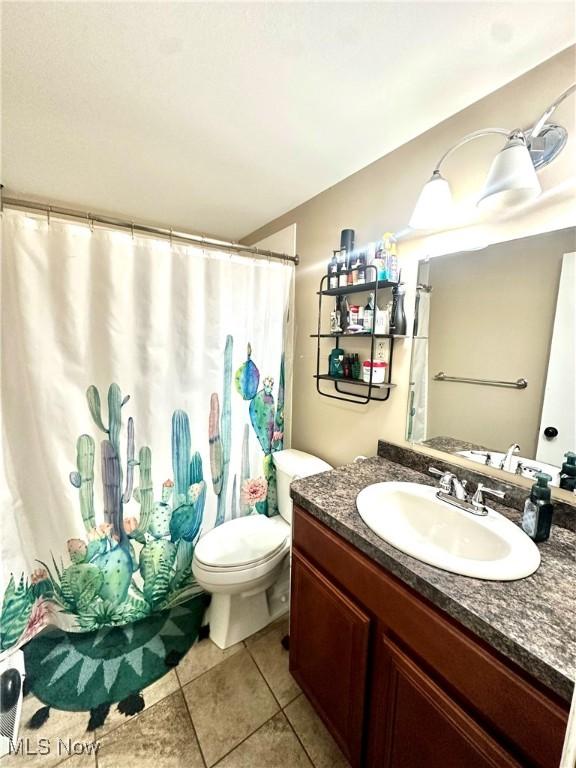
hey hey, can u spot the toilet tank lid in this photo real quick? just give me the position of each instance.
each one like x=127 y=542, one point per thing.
x=299 y=463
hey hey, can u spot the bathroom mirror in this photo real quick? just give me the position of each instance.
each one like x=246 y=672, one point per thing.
x=493 y=372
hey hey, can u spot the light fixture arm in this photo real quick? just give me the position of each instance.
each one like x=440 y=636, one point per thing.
x=543 y=119
x=470 y=137
x=512 y=179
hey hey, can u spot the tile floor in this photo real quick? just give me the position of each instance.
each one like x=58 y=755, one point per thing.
x=238 y=708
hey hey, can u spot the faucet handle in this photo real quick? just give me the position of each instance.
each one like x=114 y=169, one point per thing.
x=478 y=498
x=446 y=478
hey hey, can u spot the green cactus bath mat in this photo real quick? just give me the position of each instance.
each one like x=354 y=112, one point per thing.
x=90 y=671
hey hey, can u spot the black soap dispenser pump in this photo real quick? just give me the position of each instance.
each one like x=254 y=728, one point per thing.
x=538 y=509
x=568 y=472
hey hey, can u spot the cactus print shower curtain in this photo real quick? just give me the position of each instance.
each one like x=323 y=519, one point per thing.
x=142 y=399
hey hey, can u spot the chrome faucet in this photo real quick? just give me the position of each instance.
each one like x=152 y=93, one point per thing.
x=453 y=491
x=450 y=484
x=506 y=462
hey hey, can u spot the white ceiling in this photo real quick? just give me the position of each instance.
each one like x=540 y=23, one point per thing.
x=218 y=117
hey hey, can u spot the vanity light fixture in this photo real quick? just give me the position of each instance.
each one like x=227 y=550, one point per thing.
x=512 y=178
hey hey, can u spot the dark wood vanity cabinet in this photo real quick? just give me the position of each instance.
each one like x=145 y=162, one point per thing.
x=335 y=680
x=425 y=726
x=400 y=684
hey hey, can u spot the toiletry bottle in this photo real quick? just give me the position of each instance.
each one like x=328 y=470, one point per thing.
x=343 y=270
x=333 y=271
x=398 y=316
x=369 y=314
x=344 y=313
x=568 y=472
x=347 y=240
x=393 y=263
x=335 y=362
x=346 y=368
x=371 y=262
x=361 y=276
x=350 y=266
x=538 y=509
x=355 y=259
x=356 y=367
x=335 y=326
x=380 y=261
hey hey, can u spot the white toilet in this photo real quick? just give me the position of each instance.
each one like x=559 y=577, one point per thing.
x=245 y=563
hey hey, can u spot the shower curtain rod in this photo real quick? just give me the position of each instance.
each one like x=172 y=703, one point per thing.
x=144 y=229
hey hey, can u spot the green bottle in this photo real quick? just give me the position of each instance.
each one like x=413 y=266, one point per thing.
x=335 y=362
x=568 y=472
x=538 y=509
x=356 y=367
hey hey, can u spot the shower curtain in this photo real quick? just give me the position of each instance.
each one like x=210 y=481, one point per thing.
x=142 y=399
x=418 y=407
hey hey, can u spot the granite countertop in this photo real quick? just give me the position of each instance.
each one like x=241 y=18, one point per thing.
x=452 y=444
x=531 y=621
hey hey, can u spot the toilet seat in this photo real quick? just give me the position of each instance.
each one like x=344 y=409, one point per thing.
x=242 y=544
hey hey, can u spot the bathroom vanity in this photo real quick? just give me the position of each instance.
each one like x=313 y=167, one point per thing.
x=412 y=666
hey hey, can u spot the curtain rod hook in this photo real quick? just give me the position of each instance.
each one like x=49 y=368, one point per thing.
x=90 y=221
x=48 y=213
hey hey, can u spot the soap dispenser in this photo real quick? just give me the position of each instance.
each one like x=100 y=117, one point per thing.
x=398 y=316
x=538 y=509
x=568 y=472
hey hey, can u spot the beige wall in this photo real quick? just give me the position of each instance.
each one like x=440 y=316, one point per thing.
x=380 y=197
x=491 y=317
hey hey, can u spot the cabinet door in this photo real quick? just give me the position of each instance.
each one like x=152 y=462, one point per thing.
x=422 y=726
x=329 y=654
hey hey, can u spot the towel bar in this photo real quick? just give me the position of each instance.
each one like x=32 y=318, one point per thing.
x=518 y=384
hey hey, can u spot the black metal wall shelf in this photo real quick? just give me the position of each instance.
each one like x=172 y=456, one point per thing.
x=359 y=398
x=362 y=335
x=358 y=288
x=365 y=391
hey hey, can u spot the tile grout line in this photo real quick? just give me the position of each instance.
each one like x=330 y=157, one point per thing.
x=246 y=739
x=263 y=676
x=251 y=732
x=298 y=739
x=193 y=679
x=148 y=709
x=204 y=761
x=283 y=708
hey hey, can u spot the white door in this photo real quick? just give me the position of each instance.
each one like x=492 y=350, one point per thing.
x=558 y=425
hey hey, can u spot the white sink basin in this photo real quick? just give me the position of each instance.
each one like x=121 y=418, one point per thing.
x=411 y=518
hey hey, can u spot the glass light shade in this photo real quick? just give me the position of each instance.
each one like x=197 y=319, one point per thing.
x=434 y=204
x=512 y=178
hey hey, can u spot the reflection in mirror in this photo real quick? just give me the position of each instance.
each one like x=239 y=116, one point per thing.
x=493 y=373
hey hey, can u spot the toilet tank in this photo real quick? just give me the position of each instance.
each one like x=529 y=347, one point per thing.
x=291 y=465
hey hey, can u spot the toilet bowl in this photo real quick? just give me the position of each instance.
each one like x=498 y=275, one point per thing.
x=245 y=563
